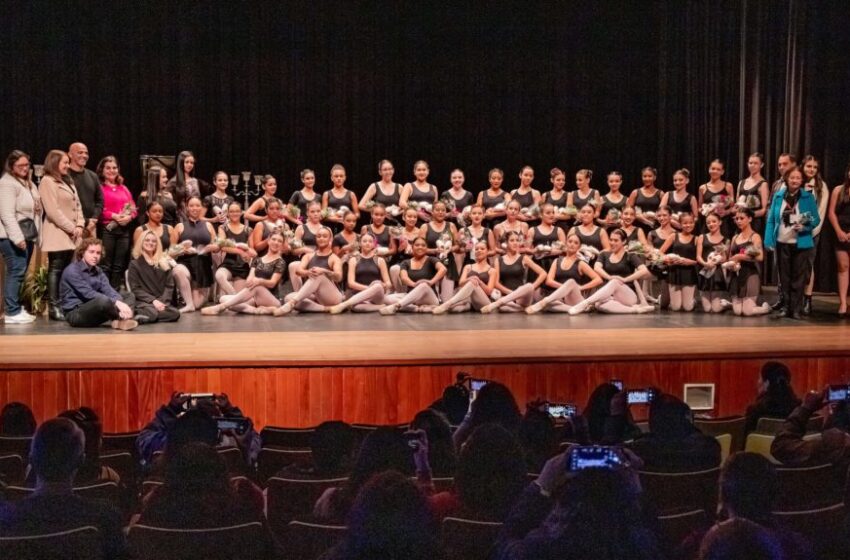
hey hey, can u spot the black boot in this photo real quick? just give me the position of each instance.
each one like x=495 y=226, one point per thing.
x=780 y=303
x=55 y=265
x=807 y=305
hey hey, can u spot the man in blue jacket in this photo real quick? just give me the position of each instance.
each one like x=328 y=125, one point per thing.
x=792 y=216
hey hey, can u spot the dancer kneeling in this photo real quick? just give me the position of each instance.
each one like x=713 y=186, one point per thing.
x=419 y=274
x=368 y=280
x=150 y=280
x=622 y=270
x=266 y=273
x=512 y=270
x=320 y=271
x=477 y=282
x=569 y=278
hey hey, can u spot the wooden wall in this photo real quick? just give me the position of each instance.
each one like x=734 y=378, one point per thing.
x=127 y=398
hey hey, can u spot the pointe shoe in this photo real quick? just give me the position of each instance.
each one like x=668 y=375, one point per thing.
x=578 y=309
x=532 y=309
x=187 y=309
x=489 y=308
x=440 y=309
x=641 y=309
x=124 y=324
x=211 y=310
x=336 y=309
x=283 y=309
x=388 y=309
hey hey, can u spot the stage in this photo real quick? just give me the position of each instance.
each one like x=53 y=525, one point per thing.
x=303 y=369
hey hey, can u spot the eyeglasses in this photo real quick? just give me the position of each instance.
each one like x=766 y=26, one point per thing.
x=21 y=165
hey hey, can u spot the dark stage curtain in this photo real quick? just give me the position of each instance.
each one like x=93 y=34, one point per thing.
x=279 y=86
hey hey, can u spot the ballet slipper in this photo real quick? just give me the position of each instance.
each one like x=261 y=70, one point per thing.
x=535 y=308
x=579 y=308
x=425 y=309
x=640 y=309
x=440 y=309
x=187 y=309
x=389 y=309
x=283 y=309
x=266 y=310
x=211 y=310
x=489 y=308
x=336 y=309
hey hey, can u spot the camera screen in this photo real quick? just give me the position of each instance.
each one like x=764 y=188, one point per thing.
x=561 y=410
x=593 y=457
x=837 y=393
x=639 y=396
x=477 y=384
x=240 y=425
x=618 y=383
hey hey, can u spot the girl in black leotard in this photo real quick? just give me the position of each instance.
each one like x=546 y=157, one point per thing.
x=216 y=203
x=712 y=252
x=584 y=195
x=418 y=277
x=306 y=232
x=368 y=280
x=409 y=233
x=526 y=195
x=318 y=274
x=589 y=233
x=719 y=192
x=272 y=222
x=164 y=232
x=494 y=200
x=754 y=192
x=613 y=200
x=682 y=262
x=344 y=244
x=568 y=281
x=385 y=191
x=338 y=198
x=420 y=190
x=296 y=210
x=655 y=240
x=457 y=198
x=477 y=282
x=257 y=211
x=839 y=217
x=511 y=224
x=514 y=273
x=235 y=267
x=679 y=201
x=257 y=297
x=558 y=197
x=646 y=199
x=381 y=232
x=472 y=234
x=547 y=234
x=622 y=271
x=633 y=233
x=745 y=284
x=442 y=242
x=193 y=273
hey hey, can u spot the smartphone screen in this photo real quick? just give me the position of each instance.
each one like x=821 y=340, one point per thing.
x=837 y=393
x=475 y=385
x=593 y=457
x=639 y=396
x=561 y=410
x=618 y=383
x=239 y=425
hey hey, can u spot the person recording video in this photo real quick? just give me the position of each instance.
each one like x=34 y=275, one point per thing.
x=234 y=429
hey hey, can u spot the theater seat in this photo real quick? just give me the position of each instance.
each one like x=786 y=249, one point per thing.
x=121 y=462
x=807 y=488
x=725 y=441
x=287 y=499
x=673 y=493
x=292 y=438
x=674 y=528
x=824 y=527
x=732 y=425
x=120 y=441
x=11 y=469
x=468 y=538
x=81 y=543
x=104 y=491
x=760 y=443
x=307 y=541
x=272 y=459
x=217 y=543
x=16 y=446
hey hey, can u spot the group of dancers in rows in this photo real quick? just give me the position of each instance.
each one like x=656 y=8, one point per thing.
x=422 y=251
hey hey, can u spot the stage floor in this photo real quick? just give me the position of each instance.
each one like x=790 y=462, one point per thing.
x=315 y=340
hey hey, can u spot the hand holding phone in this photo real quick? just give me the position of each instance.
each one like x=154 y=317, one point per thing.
x=239 y=426
x=561 y=410
x=640 y=396
x=596 y=457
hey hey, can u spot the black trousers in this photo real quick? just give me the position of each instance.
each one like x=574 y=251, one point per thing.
x=93 y=313
x=147 y=310
x=116 y=254
x=56 y=263
x=795 y=267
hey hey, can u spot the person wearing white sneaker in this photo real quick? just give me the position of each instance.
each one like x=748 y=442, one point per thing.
x=621 y=270
x=568 y=279
x=257 y=297
x=418 y=274
x=477 y=282
x=87 y=298
x=513 y=271
x=20 y=222
x=368 y=280
x=321 y=271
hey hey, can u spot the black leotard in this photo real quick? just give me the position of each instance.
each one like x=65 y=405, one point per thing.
x=683 y=275
x=387 y=200
x=418 y=196
x=512 y=276
x=367 y=271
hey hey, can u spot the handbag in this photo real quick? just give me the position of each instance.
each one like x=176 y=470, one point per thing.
x=29 y=230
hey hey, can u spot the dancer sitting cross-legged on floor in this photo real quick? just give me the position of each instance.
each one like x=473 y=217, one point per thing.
x=257 y=297
x=320 y=273
x=569 y=279
x=419 y=275
x=621 y=293
x=477 y=282
x=513 y=271
x=368 y=280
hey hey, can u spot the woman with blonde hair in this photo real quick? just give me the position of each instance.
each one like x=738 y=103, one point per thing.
x=151 y=282
x=63 y=224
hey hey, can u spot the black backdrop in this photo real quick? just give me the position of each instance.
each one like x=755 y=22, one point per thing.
x=278 y=86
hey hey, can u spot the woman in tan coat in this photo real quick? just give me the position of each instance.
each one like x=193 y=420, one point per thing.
x=63 y=224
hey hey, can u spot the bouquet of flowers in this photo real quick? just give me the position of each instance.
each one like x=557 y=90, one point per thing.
x=531 y=212
x=731 y=266
x=676 y=216
x=655 y=258
x=567 y=211
x=587 y=253
x=750 y=201
x=636 y=247
x=353 y=251
x=650 y=215
x=463 y=216
x=180 y=249
x=424 y=209
x=225 y=243
x=451 y=206
x=291 y=240
x=719 y=203
x=466 y=241
x=393 y=210
x=396 y=232
x=370 y=205
x=444 y=245
x=294 y=212
x=126 y=211
x=613 y=215
x=382 y=251
x=752 y=252
x=804 y=219
x=672 y=258
x=706 y=209
x=501 y=206
x=715 y=259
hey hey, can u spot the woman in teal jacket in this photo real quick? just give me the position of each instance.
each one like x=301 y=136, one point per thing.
x=792 y=216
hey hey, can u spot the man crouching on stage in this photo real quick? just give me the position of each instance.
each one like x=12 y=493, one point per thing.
x=86 y=296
